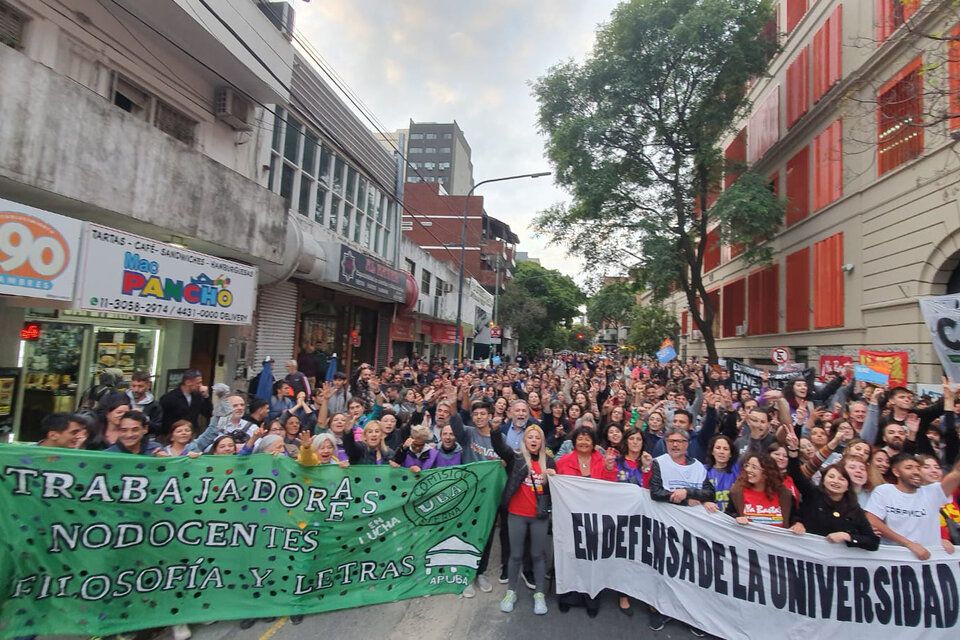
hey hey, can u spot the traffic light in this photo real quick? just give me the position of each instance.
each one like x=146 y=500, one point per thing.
x=579 y=336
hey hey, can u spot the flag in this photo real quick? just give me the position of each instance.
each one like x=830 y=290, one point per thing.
x=666 y=352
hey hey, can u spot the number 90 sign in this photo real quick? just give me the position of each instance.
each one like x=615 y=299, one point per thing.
x=31 y=248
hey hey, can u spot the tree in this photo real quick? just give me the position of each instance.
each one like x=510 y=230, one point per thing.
x=633 y=133
x=611 y=305
x=537 y=303
x=649 y=325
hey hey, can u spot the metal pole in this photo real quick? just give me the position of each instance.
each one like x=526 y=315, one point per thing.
x=463 y=248
x=496 y=298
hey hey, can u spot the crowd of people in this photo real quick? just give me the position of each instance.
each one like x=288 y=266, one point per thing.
x=858 y=464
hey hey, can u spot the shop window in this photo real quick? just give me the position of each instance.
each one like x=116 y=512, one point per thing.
x=411 y=266
x=764 y=126
x=711 y=254
x=735 y=156
x=734 y=308
x=798 y=86
x=828 y=282
x=900 y=119
x=764 y=301
x=798 y=290
x=798 y=186
x=891 y=14
x=828 y=163
x=795 y=11
x=827 y=54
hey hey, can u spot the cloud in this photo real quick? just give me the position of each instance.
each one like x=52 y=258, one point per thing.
x=470 y=62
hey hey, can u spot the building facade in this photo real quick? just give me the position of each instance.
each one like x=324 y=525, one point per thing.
x=439 y=153
x=856 y=127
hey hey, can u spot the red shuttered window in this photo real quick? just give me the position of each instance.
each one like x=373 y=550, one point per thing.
x=764 y=301
x=795 y=11
x=798 y=186
x=734 y=307
x=891 y=14
x=827 y=166
x=764 y=126
x=828 y=282
x=900 y=118
x=798 y=86
x=714 y=298
x=711 y=255
x=827 y=54
x=798 y=291
x=684 y=322
x=735 y=156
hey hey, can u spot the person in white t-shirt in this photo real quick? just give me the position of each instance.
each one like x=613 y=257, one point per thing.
x=908 y=513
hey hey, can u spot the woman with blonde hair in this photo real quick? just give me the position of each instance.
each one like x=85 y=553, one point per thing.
x=526 y=499
x=371 y=449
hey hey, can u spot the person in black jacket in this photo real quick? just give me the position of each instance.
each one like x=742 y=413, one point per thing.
x=831 y=509
x=556 y=427
x=189 y=401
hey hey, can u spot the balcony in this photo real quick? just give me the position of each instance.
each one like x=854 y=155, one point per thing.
x=73 y=152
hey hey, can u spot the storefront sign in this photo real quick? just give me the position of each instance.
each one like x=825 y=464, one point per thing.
x=403 y=330
x=130 y=542
x=39 y=251
x=896 y=363
x=126 y=272
x=443 y=333
x=372 y=276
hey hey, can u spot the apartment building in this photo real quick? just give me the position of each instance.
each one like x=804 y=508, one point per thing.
x=856 y=126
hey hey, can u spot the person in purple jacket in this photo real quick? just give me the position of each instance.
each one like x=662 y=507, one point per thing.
x=722 y=470
x=415 y=454
x=449 y=453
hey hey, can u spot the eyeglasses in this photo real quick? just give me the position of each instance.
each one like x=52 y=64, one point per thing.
x=676 y=441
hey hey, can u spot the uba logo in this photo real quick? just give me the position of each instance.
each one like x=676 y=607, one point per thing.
x=31 y=248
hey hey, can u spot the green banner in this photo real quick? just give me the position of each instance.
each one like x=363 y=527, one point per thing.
x=103 y=543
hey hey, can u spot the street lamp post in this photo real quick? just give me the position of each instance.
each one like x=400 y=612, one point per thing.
x=463 y=248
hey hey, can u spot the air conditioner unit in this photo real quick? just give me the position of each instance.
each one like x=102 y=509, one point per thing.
x=696 y=335
x=741 y=329
x=232 y=108
x=447 y=287
x=281 y=15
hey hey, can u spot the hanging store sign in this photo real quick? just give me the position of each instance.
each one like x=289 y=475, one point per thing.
x=38 y=252
x=443 y=333
x=129 y=273
x=363 y=273
x=403 y=330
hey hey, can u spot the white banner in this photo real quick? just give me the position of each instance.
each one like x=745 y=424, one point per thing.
x=39 y=251
x=752 y=581
x=942 y=315
x=132 y=274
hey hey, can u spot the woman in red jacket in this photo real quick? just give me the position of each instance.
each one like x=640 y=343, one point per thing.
x=586 y=460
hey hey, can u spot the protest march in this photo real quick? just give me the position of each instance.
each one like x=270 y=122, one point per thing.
x=729 y=499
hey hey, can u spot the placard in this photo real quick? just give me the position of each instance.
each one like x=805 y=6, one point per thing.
x=129 y=273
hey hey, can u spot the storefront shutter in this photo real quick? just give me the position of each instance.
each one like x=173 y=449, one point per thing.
x=383 y=340
x=277 y=309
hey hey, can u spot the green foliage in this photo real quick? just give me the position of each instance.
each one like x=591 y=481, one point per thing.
x=633 y=134
x=649 y=325
x=749 y=214
x=537 y=303
x=611 y=304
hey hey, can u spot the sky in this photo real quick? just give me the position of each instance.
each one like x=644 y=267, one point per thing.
x=469 y=61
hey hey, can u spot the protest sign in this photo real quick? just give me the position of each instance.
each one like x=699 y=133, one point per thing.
x=666 y=352
x=878 y=374
x=896 y=362
x=746 y=377
x=829 y=365
x=942 y=315
x=100 y=543
x=753 y=581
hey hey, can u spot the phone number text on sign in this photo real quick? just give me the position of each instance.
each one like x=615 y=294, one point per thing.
x=134 y=274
